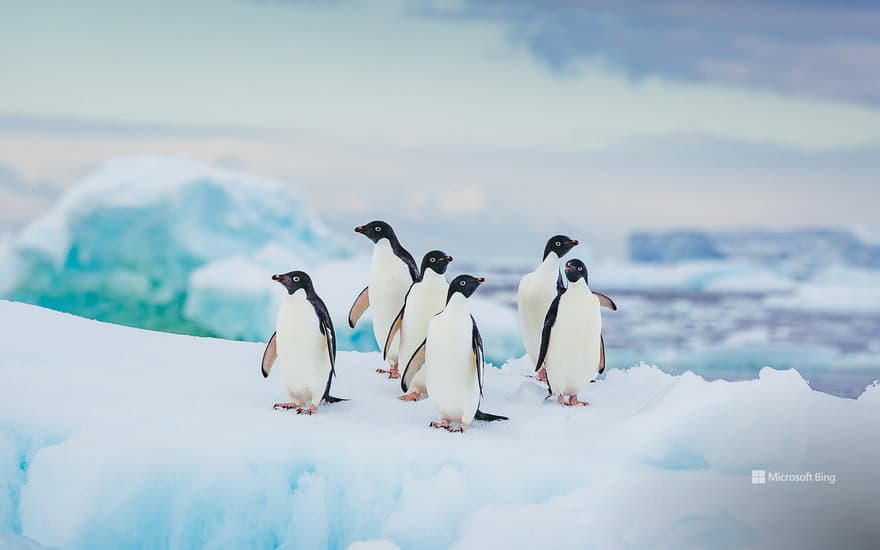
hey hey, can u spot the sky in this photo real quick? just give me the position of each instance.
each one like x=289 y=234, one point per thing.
x=491 y=121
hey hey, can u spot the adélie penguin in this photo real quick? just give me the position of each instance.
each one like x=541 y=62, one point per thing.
x=537 y=289
x=426 y=298
x=304 y=345
x=572 y=348
x=392 y=271
x=453 y=354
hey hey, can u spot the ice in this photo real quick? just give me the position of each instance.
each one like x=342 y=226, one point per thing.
x=123 y=244
x=125 y=438
x=799 y=252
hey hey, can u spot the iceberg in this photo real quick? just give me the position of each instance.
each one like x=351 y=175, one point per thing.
x=118 y=437
x=123 y=244
x=799 y=252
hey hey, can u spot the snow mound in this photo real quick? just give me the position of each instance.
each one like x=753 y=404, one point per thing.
x=124 y=438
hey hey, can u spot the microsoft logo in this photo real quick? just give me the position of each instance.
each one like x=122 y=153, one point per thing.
x=759 y=477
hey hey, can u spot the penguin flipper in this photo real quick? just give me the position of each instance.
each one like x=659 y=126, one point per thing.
x=488 y=417
x=269 y=356
x=549 y=321
x=395 y=328
x=601 y=354
x=413 y=366
x=360 y=305
x=477 y=346
x=605 y=301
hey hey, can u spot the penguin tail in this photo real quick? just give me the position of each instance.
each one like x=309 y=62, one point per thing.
x=488 y=417
x=330 y=399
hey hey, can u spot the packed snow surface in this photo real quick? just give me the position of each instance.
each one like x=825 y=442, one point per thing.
x=124 y=438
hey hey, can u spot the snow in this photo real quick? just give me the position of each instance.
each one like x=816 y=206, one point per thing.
x=125 y=438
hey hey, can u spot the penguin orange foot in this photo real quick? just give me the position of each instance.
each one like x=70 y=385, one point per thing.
x=285 y=406
x=310 y=410
x=444 y=424
x=542 y=375
x=411 y=396
x=393 y=372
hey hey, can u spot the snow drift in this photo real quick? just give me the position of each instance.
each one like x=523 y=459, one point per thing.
x=124 y=438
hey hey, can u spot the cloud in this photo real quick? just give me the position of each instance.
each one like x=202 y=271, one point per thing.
x=829 y=50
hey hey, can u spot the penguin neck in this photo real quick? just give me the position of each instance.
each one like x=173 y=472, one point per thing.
x=579 y=286
x=298 y=295
x=549 y=267
x=430 y=276
x=458 y=305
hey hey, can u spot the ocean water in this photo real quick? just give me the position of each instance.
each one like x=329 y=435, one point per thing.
x=731 y=335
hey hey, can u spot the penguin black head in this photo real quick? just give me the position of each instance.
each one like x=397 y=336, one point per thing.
x=295 y=280
x=376 y=230
x=575 y=269
x=560 y=244
x=436 y=260
x=465 y=284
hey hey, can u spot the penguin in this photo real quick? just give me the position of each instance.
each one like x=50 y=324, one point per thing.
x=304 y=343
x=392 y=271
x=453 y=354
x=537 y=289
x=572 y=348
x=425 y=298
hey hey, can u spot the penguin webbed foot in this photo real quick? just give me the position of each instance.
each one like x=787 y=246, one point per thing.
x=541 y=375
x=571 y=401
x=411 y=396
x=458 y=429
x=285 y=406
x=441 y=424
x=392 y=372
x=310 y=410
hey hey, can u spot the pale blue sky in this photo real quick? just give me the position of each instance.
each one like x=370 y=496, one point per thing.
x=512 y=118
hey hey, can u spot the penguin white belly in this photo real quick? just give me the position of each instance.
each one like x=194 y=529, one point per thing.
x=303 y=359
x=451 y=377
x=536 y=291
x=389 y=281
x=426 y=299
x=573 y=353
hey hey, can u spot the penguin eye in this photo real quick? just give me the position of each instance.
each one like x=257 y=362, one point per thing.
x=296 y=279
x=558 y=243
x=378 y=228
x=432 y=260
x=461 y=283
x=580 y=269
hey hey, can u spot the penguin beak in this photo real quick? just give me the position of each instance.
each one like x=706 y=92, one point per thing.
x=448 y=258
x=574 y=242
x=568 y=266
x=480 y=280
x=359 y=229
x=276 y=277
